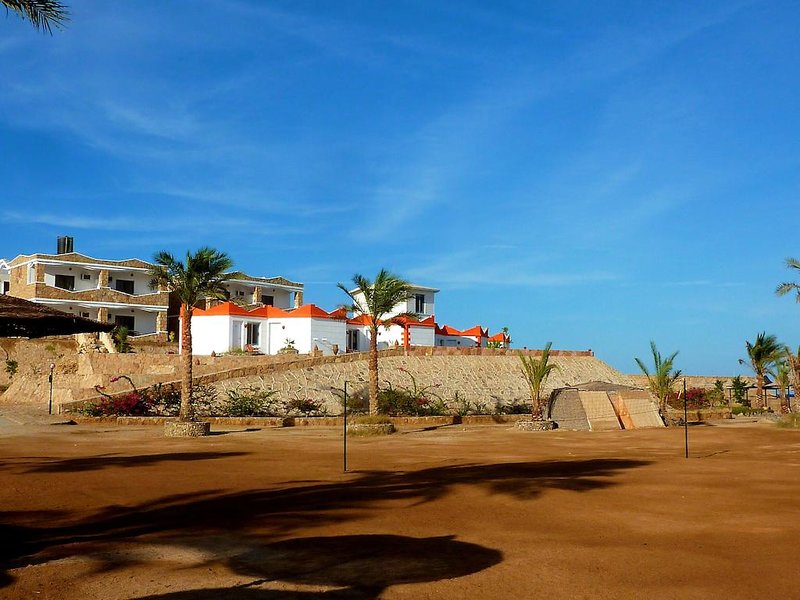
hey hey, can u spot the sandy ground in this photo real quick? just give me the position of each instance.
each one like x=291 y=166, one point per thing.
x=455 y=512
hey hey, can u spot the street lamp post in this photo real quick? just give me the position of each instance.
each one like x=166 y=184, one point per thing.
x=50 y=381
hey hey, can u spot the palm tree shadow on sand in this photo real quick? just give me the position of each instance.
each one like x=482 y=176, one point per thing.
x=356 y=566
x=261 y=520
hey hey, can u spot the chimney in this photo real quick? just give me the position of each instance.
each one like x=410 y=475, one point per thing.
x=64 y=245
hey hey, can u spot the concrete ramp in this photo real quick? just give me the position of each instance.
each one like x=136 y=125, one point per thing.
x=643 y=411
x=566 y=410
x=599 y=411
x=621 y=408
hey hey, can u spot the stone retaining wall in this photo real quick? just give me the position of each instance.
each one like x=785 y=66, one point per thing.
x=406 y=422
x=478 y=375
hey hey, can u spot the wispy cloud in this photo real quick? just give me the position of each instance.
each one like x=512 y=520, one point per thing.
x=467 y=269
x=129 y=223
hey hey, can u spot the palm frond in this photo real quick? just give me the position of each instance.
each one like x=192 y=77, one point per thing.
x=43 y=14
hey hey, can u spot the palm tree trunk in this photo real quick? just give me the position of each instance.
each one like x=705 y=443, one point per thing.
x=373 y=372
x=760 y=390
x=186 y=364
x=536 y=404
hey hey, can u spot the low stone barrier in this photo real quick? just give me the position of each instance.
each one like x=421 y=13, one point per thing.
x=407 y=422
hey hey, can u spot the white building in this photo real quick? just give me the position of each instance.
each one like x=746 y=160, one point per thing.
x=269 y=291
x=116 y=291
x=267 y=329
x=228 y=326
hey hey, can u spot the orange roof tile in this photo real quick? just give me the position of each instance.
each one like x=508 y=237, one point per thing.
x=225 y=308
x=312 y=311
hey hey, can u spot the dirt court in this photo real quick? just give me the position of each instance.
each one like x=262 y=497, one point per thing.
x=94 y=511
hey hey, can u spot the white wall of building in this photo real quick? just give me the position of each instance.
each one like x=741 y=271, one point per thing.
x=422 y=336
x=327 y=333
x=455 y=341
x=89 y=278
x=211 y=334
x=223 y=333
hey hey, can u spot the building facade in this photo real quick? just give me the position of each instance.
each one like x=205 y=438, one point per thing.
x=116 y=291
x=119 y=291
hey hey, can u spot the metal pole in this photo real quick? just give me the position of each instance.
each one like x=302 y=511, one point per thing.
x=685 y=420
x=344 y=429
x=50 y=381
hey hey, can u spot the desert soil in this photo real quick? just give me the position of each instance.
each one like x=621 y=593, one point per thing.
x=99 y=511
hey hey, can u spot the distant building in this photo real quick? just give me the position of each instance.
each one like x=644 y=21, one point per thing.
x=118 y=291
x=228 y=326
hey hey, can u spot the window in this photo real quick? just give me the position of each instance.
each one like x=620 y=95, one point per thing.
x=65 y=282
x=239 y=294
x=419 y=303
x=4 y=287
x=268 y=300
x=125 y=321
x=85 y=315
x=85 y=276
x=124 y=285
x=252 y=331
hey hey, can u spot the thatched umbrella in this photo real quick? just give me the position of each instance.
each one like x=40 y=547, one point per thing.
x=22 y=318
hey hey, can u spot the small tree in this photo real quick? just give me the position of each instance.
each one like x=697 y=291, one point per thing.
x=377 y=299
x=739 y=391
x=716 y=395
x=663 y=377
x=536 y=372
x=201 y=276
x=761 y=356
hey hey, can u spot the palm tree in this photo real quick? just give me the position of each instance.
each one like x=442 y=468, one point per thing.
x=662 y=378
x=781 y=375
x=508 y=337
x=762 y=355
x=787 y=287
x=200 y=277
x=376 y=300
x=536 y=372
x=42 y=13
x=793 y=358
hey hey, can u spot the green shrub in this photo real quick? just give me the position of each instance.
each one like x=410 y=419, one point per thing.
x=11 y=367
x=165 y=399
x=357 y=401
x=305 y=406
x=251 y=401
x=120 y=337
x=515 y=407
x=371 y=420
x=205 y=399
x=416 y=400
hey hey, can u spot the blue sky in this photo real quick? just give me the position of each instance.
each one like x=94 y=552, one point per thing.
x=596 y=174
